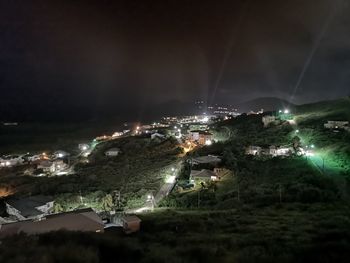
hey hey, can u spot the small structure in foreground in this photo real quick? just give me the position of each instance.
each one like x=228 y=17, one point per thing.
x=80 y=220
x=131 y=224
x=33 y=207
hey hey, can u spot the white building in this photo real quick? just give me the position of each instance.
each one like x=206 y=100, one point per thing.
x=60 y=154
x=52 y=166
x=253 y=150
x=112 y=152
x=337 y=125
x=279 y=151
x=11 y=160
x=268 y=119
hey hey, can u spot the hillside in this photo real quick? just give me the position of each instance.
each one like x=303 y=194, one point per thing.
x=269 y=209
x=325 y=110
x=266 y=103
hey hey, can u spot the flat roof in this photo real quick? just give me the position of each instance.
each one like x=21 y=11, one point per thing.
x=27 y=206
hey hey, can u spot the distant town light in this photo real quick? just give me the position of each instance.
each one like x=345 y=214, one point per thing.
x=286 y=111
x=296 y=131
x=312 y=146
x=280 y=111
x=205 y=119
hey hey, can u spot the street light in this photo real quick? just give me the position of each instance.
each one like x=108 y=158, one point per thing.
x=208 y=142
x=286 y=111
x=296 y=131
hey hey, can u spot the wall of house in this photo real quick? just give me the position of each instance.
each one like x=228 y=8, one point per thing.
x=13 y=211
x=47 y=208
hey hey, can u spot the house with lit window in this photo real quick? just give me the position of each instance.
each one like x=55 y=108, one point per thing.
x=253 y=150
x=201 y=137
x=337 y=125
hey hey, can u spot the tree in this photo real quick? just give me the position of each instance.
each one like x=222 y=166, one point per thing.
x=58 y=208
x=107 y=202
x=296 y=142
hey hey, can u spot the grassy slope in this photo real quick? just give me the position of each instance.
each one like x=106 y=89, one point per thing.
x=292 y=233
x=333 y=147
x=322 y=111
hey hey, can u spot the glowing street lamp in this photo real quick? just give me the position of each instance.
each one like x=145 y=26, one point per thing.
x=286 y=111
x=296 y=131
x=208 y=142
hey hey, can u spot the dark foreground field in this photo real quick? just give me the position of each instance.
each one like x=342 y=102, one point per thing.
x=281 y=233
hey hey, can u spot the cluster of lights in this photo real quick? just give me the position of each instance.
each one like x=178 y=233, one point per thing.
x=286 y=111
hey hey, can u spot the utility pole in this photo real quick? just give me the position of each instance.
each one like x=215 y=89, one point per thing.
x=117 y=197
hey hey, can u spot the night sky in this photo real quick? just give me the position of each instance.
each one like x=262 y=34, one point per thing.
x=92 y=57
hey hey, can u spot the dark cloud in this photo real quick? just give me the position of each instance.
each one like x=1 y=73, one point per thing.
x=118 y=56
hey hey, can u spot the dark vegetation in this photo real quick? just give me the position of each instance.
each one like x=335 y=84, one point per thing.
x=137 y=171
x=288 y=233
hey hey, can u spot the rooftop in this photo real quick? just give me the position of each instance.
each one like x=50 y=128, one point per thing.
x=204 y=173
x=27 y=206
x=206 y=159
x=78 y=220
